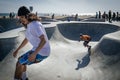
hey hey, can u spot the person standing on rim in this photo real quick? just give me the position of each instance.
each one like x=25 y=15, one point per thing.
x=36 y=35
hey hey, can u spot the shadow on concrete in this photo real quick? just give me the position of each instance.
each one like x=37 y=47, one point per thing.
x=84 y=62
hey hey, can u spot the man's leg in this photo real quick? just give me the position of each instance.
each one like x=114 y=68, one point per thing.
x=24 y=76
x=19 y=70
x=88 y=46
x=86 y=43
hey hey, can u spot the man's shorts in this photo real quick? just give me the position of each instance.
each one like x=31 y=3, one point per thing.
x=24 y=58
x=85 y=43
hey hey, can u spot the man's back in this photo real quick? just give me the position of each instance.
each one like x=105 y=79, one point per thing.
x=85 y=37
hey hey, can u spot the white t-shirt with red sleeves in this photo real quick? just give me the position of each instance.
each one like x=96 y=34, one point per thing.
x=34 y=30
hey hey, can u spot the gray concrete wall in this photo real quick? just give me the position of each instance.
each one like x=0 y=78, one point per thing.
x=95 y=30
x=8 y=24
x=6 y=46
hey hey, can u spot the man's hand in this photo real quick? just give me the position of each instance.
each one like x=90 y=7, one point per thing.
x=32 y=57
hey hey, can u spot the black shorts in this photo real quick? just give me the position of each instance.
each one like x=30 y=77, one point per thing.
x=85 y=43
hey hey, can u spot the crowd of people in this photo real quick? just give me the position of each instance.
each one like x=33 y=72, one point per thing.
x=110 y=16
x=12 y=15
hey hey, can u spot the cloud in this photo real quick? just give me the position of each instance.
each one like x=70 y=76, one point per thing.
x=65 y=6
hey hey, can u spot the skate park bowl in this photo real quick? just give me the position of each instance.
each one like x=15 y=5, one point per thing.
x=69 y=59
x=8 y=24
x=95 y=30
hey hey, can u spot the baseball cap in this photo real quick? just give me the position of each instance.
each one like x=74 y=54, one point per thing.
x=22 y=11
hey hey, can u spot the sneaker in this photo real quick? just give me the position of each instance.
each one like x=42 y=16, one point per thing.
x=27 y=79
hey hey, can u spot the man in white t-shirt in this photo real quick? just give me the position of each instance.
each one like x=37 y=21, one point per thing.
x=36 y=35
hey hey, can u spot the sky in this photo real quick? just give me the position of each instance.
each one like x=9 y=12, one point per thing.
x=61 y=6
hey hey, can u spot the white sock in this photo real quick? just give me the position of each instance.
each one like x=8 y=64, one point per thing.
x=24 y=76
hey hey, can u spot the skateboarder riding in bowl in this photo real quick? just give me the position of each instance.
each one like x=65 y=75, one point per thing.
x=86 y=39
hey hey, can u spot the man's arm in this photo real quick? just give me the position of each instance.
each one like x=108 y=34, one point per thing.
x=40 y=46
x=25 y=41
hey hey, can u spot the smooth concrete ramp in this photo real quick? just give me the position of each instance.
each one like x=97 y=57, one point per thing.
x=69 y=59
x=95 y=30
